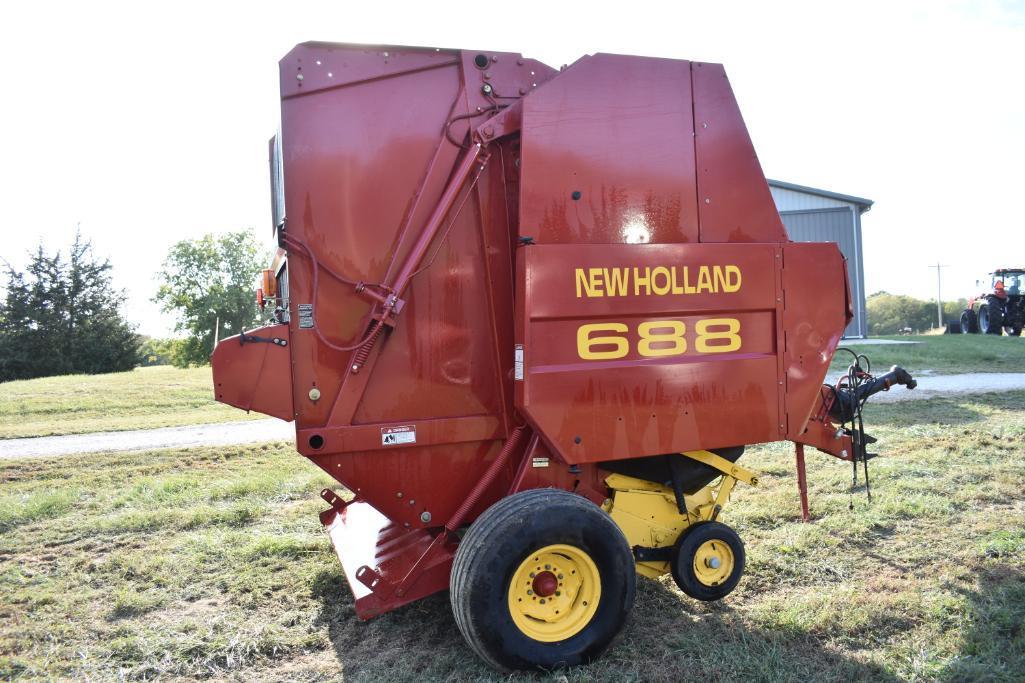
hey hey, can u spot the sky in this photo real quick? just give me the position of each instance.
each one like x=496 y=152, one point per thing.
x=147 y=123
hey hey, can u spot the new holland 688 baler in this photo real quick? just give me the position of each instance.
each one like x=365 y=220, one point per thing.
x=530 y=318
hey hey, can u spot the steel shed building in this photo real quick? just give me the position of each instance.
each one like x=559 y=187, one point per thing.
x=814 y=215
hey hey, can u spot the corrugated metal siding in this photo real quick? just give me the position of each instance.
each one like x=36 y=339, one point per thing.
x=835 y=225
x=789 y=200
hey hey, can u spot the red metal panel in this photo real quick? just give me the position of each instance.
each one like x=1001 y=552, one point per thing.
x=363 y=537
x=255 y=375
x=734 y=201
x=628 y=404
x=816 y=313
x=618 y=131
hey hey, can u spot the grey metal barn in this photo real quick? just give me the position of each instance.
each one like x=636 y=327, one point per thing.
x=813 y=215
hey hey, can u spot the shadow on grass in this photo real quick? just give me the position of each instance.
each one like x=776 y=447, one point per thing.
x=668 y=638
x=993 y=644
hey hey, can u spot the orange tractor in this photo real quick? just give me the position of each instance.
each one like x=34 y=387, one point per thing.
x=530 y=318
x=1000 y=308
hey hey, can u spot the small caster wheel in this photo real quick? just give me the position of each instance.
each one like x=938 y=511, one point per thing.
x=708 y=560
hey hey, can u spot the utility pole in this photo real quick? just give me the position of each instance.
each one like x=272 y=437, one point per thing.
x=939 y=301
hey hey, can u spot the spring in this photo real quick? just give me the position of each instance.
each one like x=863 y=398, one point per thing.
x=366 y=346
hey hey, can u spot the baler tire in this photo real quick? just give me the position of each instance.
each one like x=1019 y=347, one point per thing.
x=685 y=554
x=969 y=323
x=495 y=550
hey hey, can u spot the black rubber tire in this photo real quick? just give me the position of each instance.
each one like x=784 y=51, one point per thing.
x=494 y=547
x=1013 y=331
x=988 y=320
x=686 y=547
x=969 y=323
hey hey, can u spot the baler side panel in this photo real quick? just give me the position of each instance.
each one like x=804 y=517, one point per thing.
x=366 y=162
x=683 y=388
x=815 y=316
x=618 y=131
x=734 y=201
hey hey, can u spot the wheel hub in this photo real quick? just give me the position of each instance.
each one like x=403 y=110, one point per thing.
x=554 y=593
x=713 y=562
x=545 y=584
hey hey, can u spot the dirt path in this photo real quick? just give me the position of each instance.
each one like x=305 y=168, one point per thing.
x=219 y=434
x=944 y=385
x=231 y=433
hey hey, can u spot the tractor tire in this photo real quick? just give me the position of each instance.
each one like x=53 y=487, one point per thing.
x=969 y=323
x=708 y=561
x=989 y=320
x=543 y=579
x=1013 y=331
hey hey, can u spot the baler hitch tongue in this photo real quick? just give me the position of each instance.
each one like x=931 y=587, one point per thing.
x=852 y=395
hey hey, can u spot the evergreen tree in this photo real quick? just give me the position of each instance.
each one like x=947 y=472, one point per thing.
x=64 y=317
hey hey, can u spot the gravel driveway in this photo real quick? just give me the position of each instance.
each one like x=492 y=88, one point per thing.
x=272 y=429
x=219 y=434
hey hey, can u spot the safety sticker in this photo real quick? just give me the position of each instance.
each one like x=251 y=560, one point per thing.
x=305 y=315
x=540 y=462
x=394 y=436
x=518 y=363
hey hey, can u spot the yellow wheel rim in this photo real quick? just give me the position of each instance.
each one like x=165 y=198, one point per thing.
x=713 y=562
x=554 y=593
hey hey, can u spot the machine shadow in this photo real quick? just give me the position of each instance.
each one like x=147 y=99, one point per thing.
x=667 y=638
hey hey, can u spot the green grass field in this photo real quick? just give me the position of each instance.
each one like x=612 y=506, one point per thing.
x=944 y=354
x=144 y=398
x=210 y=564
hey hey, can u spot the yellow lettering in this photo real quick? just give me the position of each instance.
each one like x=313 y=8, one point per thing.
x=582 y=284
x=661 y=290
x=705 y=335
x=596 y=283
x=732 y=279
x=687 y=287
x=650 y=335
x=704 y=280
x=718 y=279
x=677 y=289
x=642 y=281
x=586 y=343
x=615 y=281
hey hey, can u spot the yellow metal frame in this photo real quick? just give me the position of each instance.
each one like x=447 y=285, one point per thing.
x=647 y=514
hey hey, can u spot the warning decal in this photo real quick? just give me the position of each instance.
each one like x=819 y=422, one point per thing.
x=305 y=316
x=394 y=436
x=518 y=362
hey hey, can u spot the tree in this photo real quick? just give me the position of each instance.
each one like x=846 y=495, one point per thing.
x=891 y=313
x=206 y=283
x=155 y=351
x=63 y=317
